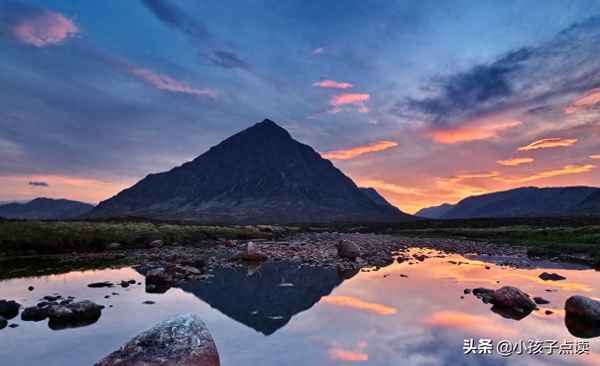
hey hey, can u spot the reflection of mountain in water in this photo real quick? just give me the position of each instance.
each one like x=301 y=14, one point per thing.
x=267 y=299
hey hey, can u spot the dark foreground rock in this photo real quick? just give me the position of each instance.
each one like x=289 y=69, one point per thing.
x=9 y=308
x=35 y=313
x=584 y=308
x=3 y=323
x=508 y=301
x=551 y=277
x=73 y=315
x=181 y=341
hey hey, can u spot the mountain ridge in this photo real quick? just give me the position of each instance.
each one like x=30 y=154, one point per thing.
x=258 y=175
x=43 y=208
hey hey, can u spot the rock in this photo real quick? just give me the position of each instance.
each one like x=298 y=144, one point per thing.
x=549 y=312
x=74 y=315
x=252 y=254
x=34 y=313
x=3 y=323
x=13 y=325
x=124 y=284
x=513 y=298
x=467 y=291
x=584 y=308
x=156 y=244
x=30 y=288
x=540 y=301
x=52 y=298
x=113 y=246
x=348 y=249
x=149 y=302
x=181 y=341
x=9 y=308
x=485 y=294
x=101 y=284
x=551 y=277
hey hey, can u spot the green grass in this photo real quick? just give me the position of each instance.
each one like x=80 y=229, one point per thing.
x=17 y=237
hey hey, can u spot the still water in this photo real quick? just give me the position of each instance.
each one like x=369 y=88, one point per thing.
x=285 y=314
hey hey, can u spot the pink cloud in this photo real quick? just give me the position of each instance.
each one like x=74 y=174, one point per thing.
x=167 y=83
x=356 y=99
x=548 y=143
x=318 y=51
x=472 y=131
x=332 y=84
x=586 y=101
x=45 y=29
x=353 y=152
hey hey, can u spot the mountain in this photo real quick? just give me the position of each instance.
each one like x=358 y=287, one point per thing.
x=378 y=199
x=528 y=202
x=45 y=209
x=434 y=212
x=259 y=175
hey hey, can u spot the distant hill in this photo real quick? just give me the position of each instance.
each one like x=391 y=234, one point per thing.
x=259 y=175
x=45 y=209
x=434 y=212
x=526 y=202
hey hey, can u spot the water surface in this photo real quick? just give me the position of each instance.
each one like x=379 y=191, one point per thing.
x=408 y=313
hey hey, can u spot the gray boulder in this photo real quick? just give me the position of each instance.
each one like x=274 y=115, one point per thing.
x=9 y=308
x=348 y=249
x=75 y=314
x=181 y=341
x=584 y=308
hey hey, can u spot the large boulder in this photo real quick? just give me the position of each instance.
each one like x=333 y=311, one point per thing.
x=35 y=313
x=348 y=249
x=584 y=308
x=508 y=301
x=9 y=308
x=75 y=314
x=181 y=341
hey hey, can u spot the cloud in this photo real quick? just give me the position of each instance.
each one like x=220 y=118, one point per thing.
x=472 y=131
x=227 y=60
x=178 y=20
x=515 y=161
x=358 y=304
x=38 y=184
x=586 y=101
x=359 y=150
x=332 y=84
x=356 y=99
x=566 y=170
x=480 y=324
x=318 y=51
x=346 y=355
x=36 y=27
x=595 y=157
x=547 y=143
x=167 y=83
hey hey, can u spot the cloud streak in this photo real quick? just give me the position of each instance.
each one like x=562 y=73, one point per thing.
x=566 y=170
x=167 y=83
x=586 y=101
x=358 y=304
x=358 y=100
x=356 y=151
x=547 y=143
x=473 y=131
x=515 y=161
x=332 y=84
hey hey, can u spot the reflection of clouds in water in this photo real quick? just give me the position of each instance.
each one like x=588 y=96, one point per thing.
x=471 y=324
x=358 y=304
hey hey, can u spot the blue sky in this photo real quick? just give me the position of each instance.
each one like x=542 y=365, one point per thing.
x=427 y=101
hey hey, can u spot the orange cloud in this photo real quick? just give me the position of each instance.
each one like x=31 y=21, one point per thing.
x=332 y=84
x=359 y=150
x=588 y=100
x=358 y=304
x=167 y=83
x=595 y=157
x=45 y=29
x=566 y=170
x=548 y=143
x=515 y=161
x=468 y=322
x=355 y=99
x=339 y=354
x=472 y=131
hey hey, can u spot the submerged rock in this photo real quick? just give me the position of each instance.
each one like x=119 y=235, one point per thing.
x=181 y=341
x=9 y=308
x=551 y=277
x=348 y=249
x=72 y=315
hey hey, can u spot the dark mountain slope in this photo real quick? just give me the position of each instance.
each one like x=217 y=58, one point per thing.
x=45 y=209
x=434 y=212
x=259 y=175
x=522 y=202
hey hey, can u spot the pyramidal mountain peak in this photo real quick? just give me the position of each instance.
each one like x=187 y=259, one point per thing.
x=258 y=175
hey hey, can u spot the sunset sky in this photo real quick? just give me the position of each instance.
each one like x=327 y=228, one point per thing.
x=426 y=101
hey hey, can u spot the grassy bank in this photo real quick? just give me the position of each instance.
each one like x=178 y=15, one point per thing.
x=18 y=237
